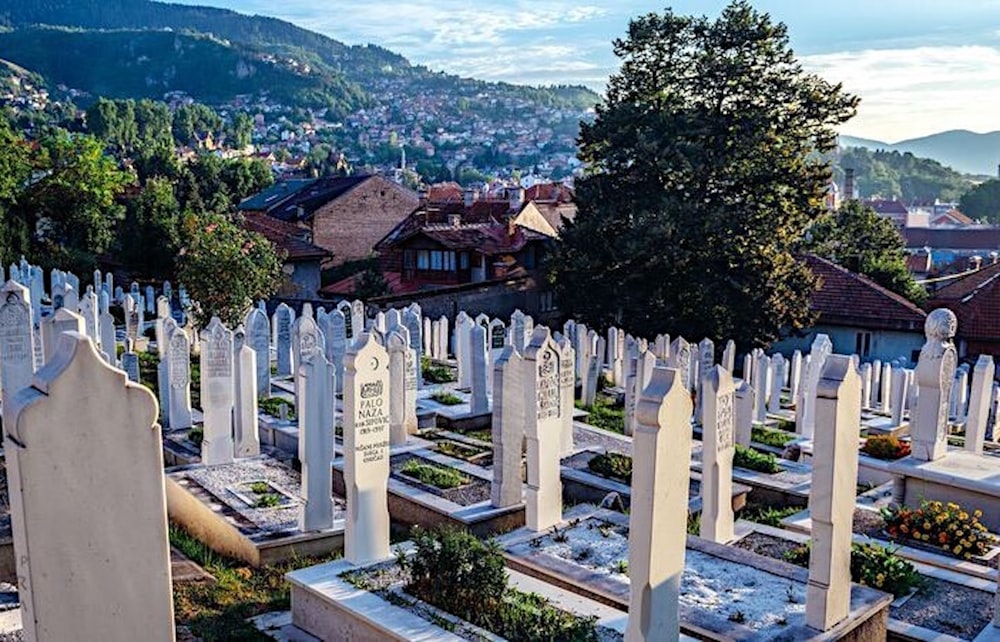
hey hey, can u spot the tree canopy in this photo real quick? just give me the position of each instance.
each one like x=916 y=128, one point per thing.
x=856 y=237
x=216 y=246
x=705 y=168
x=982 y=201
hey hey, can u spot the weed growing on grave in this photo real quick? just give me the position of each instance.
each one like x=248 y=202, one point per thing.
x=196 y=435
x=457 y=450
x=456 y=572
x=768 y=515
x=621 y=567
x=947 y=526
x=604 y=414
x=260 y=488
x=268 y=500
x=738 y=616
x=752 y=460
x=272 y=406
x=694 y=524
x=886 y=447
x=217 y=611
x=434 y=373
x=613 y=466
x=769 y=437
x=872 y=565
x=559 y=535
x=432 y=475
x=446 y=398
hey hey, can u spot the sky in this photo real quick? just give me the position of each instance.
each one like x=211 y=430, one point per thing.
x=919 y=66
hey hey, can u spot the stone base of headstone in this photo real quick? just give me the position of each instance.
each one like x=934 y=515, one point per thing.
x=215 y=505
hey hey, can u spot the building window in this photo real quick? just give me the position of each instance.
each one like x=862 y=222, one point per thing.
x=463 y=261
x=436 y=260
x=863 y=344
x=423 y=260
x=409 y=259
x=529 y=257
x=546 y=301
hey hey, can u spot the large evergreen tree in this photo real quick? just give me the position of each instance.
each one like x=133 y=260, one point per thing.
x=704 y=171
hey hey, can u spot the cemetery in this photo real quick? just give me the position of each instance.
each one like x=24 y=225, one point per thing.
x=368 y=473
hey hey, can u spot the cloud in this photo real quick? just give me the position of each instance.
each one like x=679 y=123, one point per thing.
x=909 y=92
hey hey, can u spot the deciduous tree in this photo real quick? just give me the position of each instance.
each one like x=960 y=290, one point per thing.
x=705 y=168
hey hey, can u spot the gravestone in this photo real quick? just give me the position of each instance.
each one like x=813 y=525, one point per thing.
x=794 y=377
x=805 y=416
x=284 y=316
x=729 y=356
x=480 y=363
x=567 y=385
x=463 y=327
x=831 y=501
x=543 y=406
x=259 y=340
x=592 y=374
x=581 y=344
x=496 y=336
x=106 y=324
x=93 y=558
x=508 y=428
x=398 y=347
x=935 y=376
x=55 y=324
x=900 y=393
x=179 y=377
x=761 y=384
x=337 y=340
x=744 y=413
x=615 y=358
x=631 y=385
x=315 y=419
x=717 y=456
x=661 y=348
x=130 y=364
x=885 y=391
x=519 y=332
x=428 y=337
x=777 y=383
x=706 y=356
x=245 y=419
x=366 y=451
x=660 y=484
x=411 y=321
x=866 y=385
x=17 y=340
x=680 y=360
x=442 y=339
x=89 y=310
x=217 y=393
x=357 y=320
x=979 y=404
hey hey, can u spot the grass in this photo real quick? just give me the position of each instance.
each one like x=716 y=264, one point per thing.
x=613 y=466
x=268 y=500
x=446 y=398
x=434 y=373
x=605 y=415
x=770 y=437
x=752 y=460
x=460 y=451
x=272 y=405
x=217 y=612
x=433 y=475
x=768 y=515
x=483 y=434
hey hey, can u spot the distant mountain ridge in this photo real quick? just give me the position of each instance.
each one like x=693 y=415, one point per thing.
x=965 y=151
x=347 y=72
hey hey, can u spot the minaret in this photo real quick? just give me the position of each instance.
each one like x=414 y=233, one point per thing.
x=402 y=156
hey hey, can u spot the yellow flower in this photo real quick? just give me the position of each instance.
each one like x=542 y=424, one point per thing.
x=957 y=549
x=963 y=516
x=916 y=534
x=977 y=513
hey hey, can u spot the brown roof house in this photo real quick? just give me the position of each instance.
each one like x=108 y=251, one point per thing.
x=301 y=265
x=345 y=215
x=860 y=317
x=480 y=252
x=975 y=300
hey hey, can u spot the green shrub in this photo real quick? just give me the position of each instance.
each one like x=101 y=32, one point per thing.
x=752 y=460
x=769 y=437
x=612 y=465
x=458 y=573
x=446 y=398
x=260 y=488
x=434 y=373
x=460 y=451
x=768 y=515
x=272 y=406
x=606 y=416
x=268 y=500
x=871 y=565
x=196 y=435
x=433 y=475
x=886 y=447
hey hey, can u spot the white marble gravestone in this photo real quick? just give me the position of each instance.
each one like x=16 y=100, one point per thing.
x=284 y=316
x=179 y=378
x=217 y=393
x=543 y=404
x=567 y=385
x=935 y=376
x=480 y=363
x=245 y=418
x=366 y=451
x=832 y=498
x=508 y=428
x=315 y=419
x=718 y=424
x=93 y=558
x=660 y=485
x=979 y=404
x=259 y=340
x=17 y=340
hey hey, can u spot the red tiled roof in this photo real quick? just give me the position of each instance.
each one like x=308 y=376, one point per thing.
x=975 y=300
x=849 y=299
x=549 y=192
x=918 y=263
x=887 y=207
x=445 y=192
x=430 y=217
x=952 y=216
x=285 y=237
x=982 y=239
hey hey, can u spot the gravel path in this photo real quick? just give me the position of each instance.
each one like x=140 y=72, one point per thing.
x=948 y=608
x=767 y=545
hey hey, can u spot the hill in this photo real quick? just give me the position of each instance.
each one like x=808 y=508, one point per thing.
x=362 y=65
x=148 y=64
x=898 y=175
x=965 y=151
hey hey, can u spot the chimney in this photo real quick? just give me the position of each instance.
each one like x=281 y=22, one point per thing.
x=848 y=183
x=516 y=195
x=454 y=219
x=994 y=257
x=975 y=262
x=471 y=196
